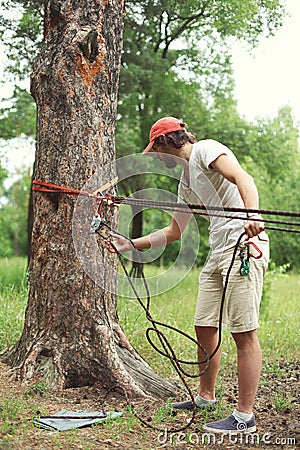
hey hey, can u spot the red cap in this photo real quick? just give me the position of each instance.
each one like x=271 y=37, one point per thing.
x=162 y=127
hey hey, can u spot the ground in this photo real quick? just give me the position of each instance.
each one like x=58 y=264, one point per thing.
x=277 y=412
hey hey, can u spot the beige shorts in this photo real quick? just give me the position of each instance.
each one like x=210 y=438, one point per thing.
x=243 y=295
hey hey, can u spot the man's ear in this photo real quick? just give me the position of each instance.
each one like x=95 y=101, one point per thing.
x=165 y=140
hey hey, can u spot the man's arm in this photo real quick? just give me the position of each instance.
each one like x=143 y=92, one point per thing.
x=234 y=173
x=158 y=238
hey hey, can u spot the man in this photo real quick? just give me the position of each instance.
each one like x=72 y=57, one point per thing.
x=213 y=176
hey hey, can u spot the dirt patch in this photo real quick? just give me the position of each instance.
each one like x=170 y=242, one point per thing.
x=277 y=413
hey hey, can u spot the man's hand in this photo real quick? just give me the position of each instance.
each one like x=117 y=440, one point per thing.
x=254 y=225
x=121 y=243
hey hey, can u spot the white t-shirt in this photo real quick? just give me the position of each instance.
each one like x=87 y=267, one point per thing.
x=205 y=186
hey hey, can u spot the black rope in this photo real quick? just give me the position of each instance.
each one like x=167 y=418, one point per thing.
x=43 y=186
x=215 y=211
x=168 y=351
x=195 y=208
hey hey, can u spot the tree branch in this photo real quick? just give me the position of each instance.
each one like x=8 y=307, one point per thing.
x=168 y=39
x=180 y=30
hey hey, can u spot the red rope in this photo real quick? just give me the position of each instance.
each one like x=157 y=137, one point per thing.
x=43 y=186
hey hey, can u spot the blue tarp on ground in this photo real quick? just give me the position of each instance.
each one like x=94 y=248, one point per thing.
x=74 y=419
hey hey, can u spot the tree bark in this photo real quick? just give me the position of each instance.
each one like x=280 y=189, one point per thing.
x=136 y=231
x=71 y=333
x=16 y=243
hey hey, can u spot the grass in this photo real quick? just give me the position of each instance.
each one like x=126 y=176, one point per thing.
x=282 y=401
x=279 y=321
x=279 y=314
x=279 y=332
x=13 y=299
x=278 y=336
x=13 y=273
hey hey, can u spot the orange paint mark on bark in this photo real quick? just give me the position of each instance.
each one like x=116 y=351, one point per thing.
x=89 y=70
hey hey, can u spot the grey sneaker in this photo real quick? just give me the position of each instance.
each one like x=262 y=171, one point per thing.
x=230 y=425
x=189 y=405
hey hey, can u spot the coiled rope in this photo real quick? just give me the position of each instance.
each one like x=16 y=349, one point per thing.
x=167 y=350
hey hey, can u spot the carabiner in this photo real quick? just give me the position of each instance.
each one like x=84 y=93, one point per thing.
x=96 y=223
x=245 y=263
x=260 y=253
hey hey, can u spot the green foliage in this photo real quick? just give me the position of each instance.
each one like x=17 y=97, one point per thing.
x=282 y=401
x=3 y=176
x=10 y=408
x=164 y=413
x=277 y=137
x=21 y=26
x=38 y=389
x=279 y=321
x=19 y=117
x=13 y=273
x=275 y=158
x=13 y=217
x=16 y=119
x=176 y=61
x=272 y=274
x=185 y=44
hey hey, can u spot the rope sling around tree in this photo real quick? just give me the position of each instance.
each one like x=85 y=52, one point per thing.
x=98 y=222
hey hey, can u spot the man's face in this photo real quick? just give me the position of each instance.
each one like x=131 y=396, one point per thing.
x=168 y=160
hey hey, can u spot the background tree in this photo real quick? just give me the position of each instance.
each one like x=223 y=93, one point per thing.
x=275 y=158
x=198 y=86
x=13 y=218
x=19 y=116
x=18 y=120
x=183 y=43
x=187 y=45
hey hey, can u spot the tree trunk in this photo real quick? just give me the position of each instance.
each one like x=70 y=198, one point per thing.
x=16 y=243
x=30 y=220
x=136 y=231
x=71 y=333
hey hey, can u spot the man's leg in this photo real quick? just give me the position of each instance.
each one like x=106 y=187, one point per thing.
x=249 y=368
x=243 y=309
x=208 y=339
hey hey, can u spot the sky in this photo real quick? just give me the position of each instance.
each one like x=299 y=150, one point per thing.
x=266 y=79
x=269 y=76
